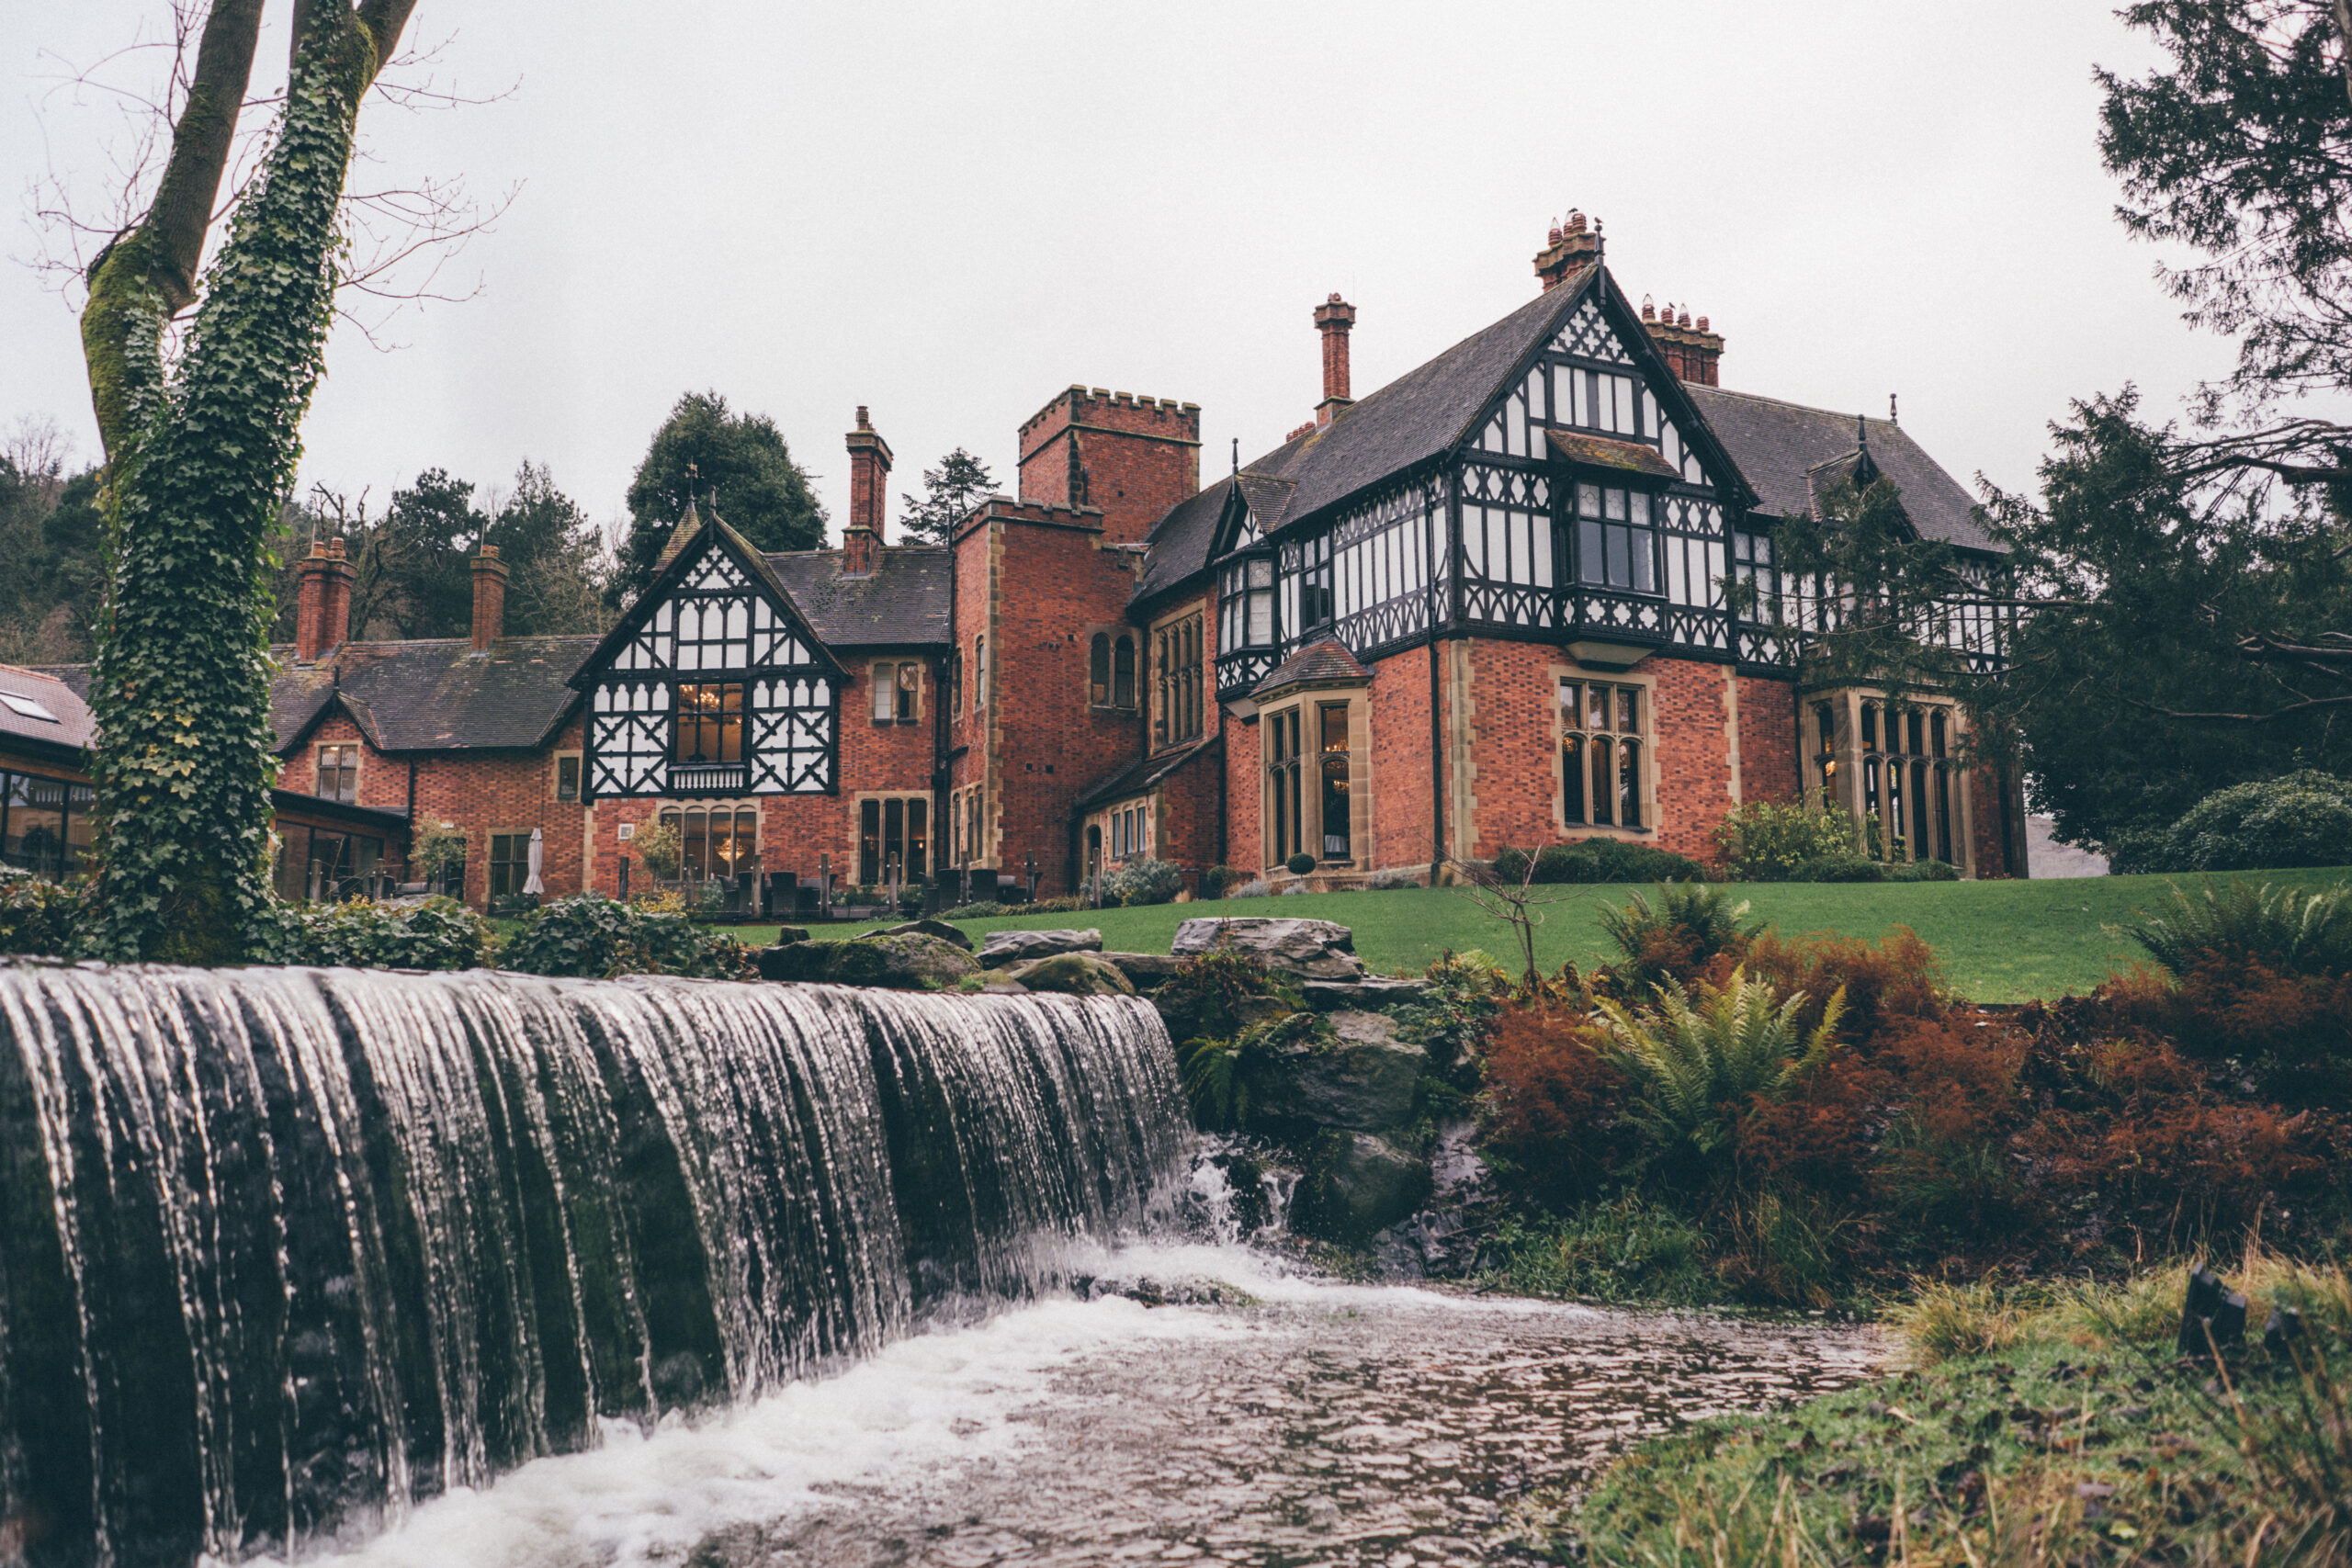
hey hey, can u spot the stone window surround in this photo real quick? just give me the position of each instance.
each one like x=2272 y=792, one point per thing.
x=1648 y=681
x=1357 y=698
x=1848 y=702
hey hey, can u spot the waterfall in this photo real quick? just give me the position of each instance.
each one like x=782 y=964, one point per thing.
x=283 y=1251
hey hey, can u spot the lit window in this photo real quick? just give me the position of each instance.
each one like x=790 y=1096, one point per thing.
x=1332 y=721
x=709 y=722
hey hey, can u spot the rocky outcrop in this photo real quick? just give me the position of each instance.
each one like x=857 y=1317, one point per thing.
x=1001 y=948
x=1146 y=971
x=954 y=935
x=1370 y=991
x=1354 y=1073
x=1356 y=1184
x=1071 y=973
x=908 y=961
x=1307 y=950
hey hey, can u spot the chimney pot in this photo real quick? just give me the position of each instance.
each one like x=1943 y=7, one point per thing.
x=1649 y=310
x=1703 y=323
x=490 y=598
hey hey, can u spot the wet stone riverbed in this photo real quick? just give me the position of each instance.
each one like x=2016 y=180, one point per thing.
x=1304 y=1422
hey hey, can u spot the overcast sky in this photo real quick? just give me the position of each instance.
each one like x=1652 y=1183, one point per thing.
x=949 y=212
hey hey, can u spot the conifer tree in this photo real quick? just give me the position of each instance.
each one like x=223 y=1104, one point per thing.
x=950 y=492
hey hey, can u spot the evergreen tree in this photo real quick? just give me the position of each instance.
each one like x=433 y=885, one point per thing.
x=424 y=552
x=740 y=459
x=950 y=492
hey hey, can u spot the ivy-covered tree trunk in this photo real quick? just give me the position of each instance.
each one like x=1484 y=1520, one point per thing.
x=199 y=460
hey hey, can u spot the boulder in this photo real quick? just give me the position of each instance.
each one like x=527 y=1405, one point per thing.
x=1371 y=991
x=940 y=929
x=1183 y=1019
x=1072 y=974
x=1358 y=1076
x=1310 y=950
x=1001 y=948
x=1148 y=971
x=1356 y=1184
x=911 y=961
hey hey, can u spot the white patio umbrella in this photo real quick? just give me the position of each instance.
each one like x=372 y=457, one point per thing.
x=531 y=883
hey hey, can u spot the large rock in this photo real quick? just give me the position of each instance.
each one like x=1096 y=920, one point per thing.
x=1147 y=971
x=1001 y=948
x=908 y=961
x=940 y=929
x=1310 y=950
x=1371 y=991
x=1358 y=1076
x=1073 y=974
x=1356 y=1184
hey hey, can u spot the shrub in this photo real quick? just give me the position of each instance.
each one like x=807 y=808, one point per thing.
x=1550 y=1103
x=1691 y=1069
x=1299 y=864
x=1509 y=867
x=2303 y=818
x=1898 y=979
x=1257 y=887
x=1924 y=871
x=437 y=849
x=657 y=850
x=986 y=909
x=2279 y=928
x=1143 y=881
x=1222 y=877
x=590 y=935
x=37 y=916
x=1604 y=861
x=1453 y=1018
x=1689 y=925
x=1769 y=840
x=1214 y=989
x=1396 y=876
x=439 y=933
x=1830 y=868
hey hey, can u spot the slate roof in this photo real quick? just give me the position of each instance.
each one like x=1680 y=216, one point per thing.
x=50 y=691
x=1180 y=541
x=1326 y=661
x=1142 y=776
x=902 y=603
x=433 y=694
x=1783 y=447
x=427 y=695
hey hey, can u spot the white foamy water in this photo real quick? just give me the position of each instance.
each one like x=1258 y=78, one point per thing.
x=1325 y=1422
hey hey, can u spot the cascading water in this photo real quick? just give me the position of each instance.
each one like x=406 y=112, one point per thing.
x=283 y=1251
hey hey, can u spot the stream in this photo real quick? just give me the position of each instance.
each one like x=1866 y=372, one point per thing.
x=1299 y=1421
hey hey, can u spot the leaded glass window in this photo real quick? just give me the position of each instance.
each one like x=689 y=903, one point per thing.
x=1603 y=726
x=1616 y=539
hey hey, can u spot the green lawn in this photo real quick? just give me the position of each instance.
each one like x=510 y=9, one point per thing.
x=2000 y=942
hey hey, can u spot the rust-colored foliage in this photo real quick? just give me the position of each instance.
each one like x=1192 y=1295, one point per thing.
x=1550 y=1102
x=1896 y=979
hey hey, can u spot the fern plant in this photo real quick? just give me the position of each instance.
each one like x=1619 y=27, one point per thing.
x=1687 y=926
x=2292 y=931
x=1692 y=1067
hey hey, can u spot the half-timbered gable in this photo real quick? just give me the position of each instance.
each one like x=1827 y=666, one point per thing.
x=713 y=685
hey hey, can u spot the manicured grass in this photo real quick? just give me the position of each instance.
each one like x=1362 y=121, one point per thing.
x=2000 y=942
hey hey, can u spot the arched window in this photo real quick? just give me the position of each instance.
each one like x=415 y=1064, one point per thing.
x=1123 y=674
x=1098 y=671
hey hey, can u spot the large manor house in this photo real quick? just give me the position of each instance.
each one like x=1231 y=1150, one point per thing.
x=1524 y=595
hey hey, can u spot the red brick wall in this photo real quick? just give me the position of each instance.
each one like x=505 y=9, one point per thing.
x=1771 y=762
x=1188 y=816
x=1401 y=817
x=1141 y=456
x=1244 y=796
x=1992 y=850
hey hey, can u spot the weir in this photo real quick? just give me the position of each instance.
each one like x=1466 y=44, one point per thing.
x=284 y=1251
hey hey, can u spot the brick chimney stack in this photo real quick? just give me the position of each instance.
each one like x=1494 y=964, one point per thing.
x=1568 y=250
x=1692 y=351
x=1335 y=317
x=869 y=474
x=490 y=598
x=322 y=601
